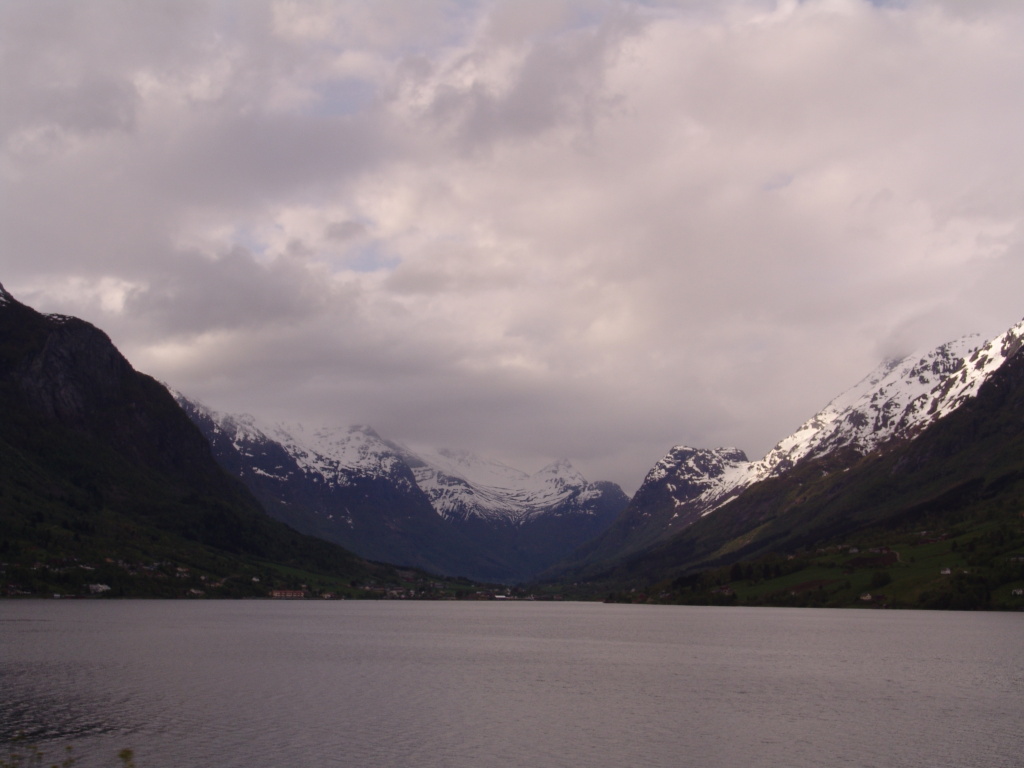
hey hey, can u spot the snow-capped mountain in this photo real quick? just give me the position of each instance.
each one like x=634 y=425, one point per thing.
x=895 y=402
x=339 y=455
x=462 y=485
x=452 y=512
x=280 y=452
x=690 y=475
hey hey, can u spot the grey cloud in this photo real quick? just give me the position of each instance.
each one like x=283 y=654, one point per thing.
x=559 y=82
x=194 y=294
x=73 y=62
x=532 y=228
x=253 y=159
x=83 y=107
x=345 y=230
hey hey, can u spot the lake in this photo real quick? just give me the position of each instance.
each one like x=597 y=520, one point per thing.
x=481 y=685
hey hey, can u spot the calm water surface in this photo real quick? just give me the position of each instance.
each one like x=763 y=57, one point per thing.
x=482 y=685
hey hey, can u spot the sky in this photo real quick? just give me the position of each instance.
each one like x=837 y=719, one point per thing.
x=534 y=229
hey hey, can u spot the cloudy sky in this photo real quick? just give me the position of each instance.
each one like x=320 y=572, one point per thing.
x=531 y=228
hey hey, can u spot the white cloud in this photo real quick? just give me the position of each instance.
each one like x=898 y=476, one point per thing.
x=534 y=229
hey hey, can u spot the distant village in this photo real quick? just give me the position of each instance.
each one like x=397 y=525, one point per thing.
x=106 y=578
x=431 y=591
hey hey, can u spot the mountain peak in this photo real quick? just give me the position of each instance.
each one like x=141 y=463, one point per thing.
x=896 y=400
x=5 y=297
x=696 y=462
x=558 y=467
x=559 y=476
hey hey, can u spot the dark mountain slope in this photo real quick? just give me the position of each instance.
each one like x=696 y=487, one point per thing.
x=99 y=461
x=669 y=500
x=890 y=406
x=965 y=471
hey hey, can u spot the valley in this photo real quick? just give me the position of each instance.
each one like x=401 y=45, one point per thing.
x=905 y=491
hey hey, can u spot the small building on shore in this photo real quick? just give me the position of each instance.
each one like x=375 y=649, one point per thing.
x=287 y=594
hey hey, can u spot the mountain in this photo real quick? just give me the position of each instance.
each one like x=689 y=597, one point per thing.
x=683 y=486
x=537 y=519
x=454 y=513
x=103 y=476
x=931 y=522
x=931 y=443
x=347 y=486
x=895 y=402
x=463 y=487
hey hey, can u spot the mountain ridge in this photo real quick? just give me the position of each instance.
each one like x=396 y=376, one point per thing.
x=895 y=402
x=98 y=461
x=451 y=511
x=933 y=521
x=91 y=448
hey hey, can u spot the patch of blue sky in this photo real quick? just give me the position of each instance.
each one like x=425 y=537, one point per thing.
x=343 y=98
x=585 y=16
x=370 y=258
x=246 y=238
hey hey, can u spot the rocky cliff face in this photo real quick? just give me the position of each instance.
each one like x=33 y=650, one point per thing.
x=75 y=372
x=64 y=371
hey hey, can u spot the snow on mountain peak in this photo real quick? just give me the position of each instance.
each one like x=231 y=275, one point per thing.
x=473 y=469
x=968 y=378
x=338 y=452
x=461 y=484
x=896 y=400
x=700 y=476
x=560 y=472
x=458 y=483
x=696 y=462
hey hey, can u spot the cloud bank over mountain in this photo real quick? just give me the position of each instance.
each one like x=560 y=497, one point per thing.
x=529 y=228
